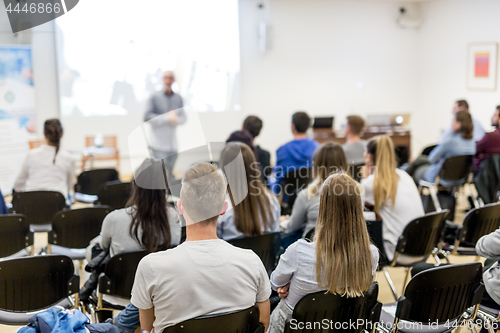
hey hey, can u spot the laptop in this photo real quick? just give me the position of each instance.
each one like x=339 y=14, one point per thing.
x=323 y=122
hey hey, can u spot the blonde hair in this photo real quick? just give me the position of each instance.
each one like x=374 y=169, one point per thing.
x=343 y=254
x=327 y=159
x=203 y=192
x=254 y=211
x=385 y=183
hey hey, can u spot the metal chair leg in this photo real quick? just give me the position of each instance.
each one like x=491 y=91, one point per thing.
x=435 y=199
x=407 y=275
x=391 y=284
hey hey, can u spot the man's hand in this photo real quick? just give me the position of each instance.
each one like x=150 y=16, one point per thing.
x=172 y=117
x=283 y=291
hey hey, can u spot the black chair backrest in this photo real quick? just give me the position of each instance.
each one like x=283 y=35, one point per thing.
x=310 y=235
x=15 y=234
x=337 y=309
x=266 y=246
x=114 y=194
x=34 y=283
x=479 y=222
x=75 y=228
x=377 y=238
x=39 y=207
x=421 y=235
x=89 y=182
x=244 y=321
x=294 y=181
x=442 y=293
x=456 y=168
x=355 y=171
x=119 y=274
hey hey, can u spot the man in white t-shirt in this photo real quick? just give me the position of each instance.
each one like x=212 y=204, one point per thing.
x=204 y=275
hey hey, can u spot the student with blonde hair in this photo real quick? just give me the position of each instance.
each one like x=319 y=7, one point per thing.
x=391 y=191
x=253 y=208
x=327 y=159
x=340 y=260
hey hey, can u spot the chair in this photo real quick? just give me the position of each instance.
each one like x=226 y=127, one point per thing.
x=487 y=179
x=109 y=141
x=118 y=279
x=72 y=230
x=90 y=182
x=355 y=171
x=441 y=296
x=477 y=223
x=39 y=207
x=418 y=241
x=454 y=172
x=15 y=235
x=244 y=321
x=33 y=284
x=36 y=143
x=266 y=246
x=337 y=310
x=294 y=181
x=114 y=194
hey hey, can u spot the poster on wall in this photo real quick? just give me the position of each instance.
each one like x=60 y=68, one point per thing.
x=482 y=66
x=17 y=111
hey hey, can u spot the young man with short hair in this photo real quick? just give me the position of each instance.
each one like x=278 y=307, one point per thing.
x=204 y=275
x=253 y=125
x=354 y=147
x=296 y=153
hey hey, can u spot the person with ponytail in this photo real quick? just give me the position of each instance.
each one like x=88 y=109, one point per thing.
x=340 y=260
x=327 y=159
x=48 y=168
x=390 y=191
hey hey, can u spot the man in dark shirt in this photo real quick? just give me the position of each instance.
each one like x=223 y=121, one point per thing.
x=253 y=125
x=490 y=143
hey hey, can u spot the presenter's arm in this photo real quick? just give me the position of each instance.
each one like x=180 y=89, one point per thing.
x=181 y=114
x=150 y=109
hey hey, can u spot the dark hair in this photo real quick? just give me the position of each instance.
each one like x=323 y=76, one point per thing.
x=245 y=137
x=463 y=104
x=149 y=214
x=302 y=121
x=356 y=123
x=253 y=125
x=53 y=131
x=498 y=108
x=466 y=125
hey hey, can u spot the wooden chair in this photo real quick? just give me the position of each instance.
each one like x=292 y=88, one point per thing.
x=36 y=143
x=109 y=141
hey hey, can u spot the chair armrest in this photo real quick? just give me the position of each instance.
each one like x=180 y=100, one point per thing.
x=424 y=183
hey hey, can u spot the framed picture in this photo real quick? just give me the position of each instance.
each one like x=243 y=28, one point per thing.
x=482 y=62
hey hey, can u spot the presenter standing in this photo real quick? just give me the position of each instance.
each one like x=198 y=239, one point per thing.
x=163 y=138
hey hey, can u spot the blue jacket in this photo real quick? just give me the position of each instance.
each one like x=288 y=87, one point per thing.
x=3 y=207
x=293 y=155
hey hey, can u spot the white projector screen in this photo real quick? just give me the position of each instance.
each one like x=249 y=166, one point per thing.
x=111 y=55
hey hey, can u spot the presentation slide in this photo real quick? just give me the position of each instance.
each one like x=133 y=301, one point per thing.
x=112 y=54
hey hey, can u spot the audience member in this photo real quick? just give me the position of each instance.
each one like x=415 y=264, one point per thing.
x=3 y=207
x=253 y=125
x=48 y=168
x=243 y=136
x=328 y=158
x=253 y=209
x=204 y=275
x=392 y=192
x=354 y=147
x=296 y=153
x=490 y=143
x=460 y=143
x=340 y=260
x=462 y=105
x=488 y=246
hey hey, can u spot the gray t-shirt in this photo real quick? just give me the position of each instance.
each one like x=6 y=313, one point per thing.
x=305 y=212
x=116 y=226
x=489 y=246
x=162 y=136
x=297 y=266
x=355 y=152
x=199 y=278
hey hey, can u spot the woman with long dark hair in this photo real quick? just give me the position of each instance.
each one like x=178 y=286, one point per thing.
x=48 y=168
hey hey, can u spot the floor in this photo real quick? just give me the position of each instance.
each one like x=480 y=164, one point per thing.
x=385 y=295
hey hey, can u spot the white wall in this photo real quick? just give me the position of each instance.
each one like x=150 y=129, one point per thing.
x=449 y=25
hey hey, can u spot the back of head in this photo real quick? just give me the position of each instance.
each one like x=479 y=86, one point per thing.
x=301 y=121
x=253 y=125
x=466 y=125
x=242 y=136
x=150 y=226
x=343 y=255
x=356 y=124
x=462 y=105
x=203 y=193
x=53 y=132
x=328 y=158
x=251 y=205
x=385 y=184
